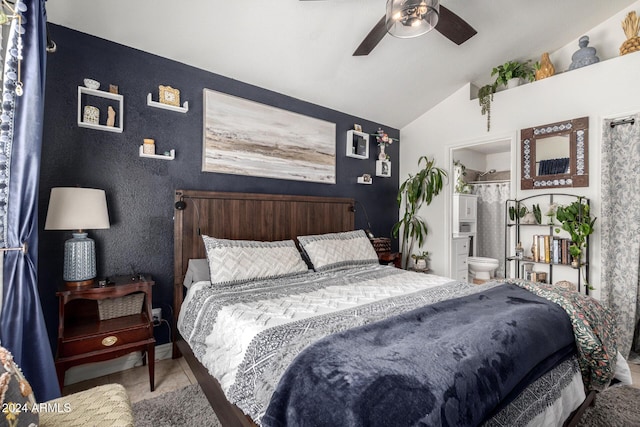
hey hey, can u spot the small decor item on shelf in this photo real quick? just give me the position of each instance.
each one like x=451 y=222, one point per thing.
x=357 y=127
x=630 y=26
x=113 y=89
x=169 y=95
x=92 y=84
x=91 y=115
x=551 y=212
x=534 y=249
x=583 y=56
x=529 y=218
x=537 y=213
x=111 y=116
x=365 y=179
x=527 y=269
x=544 y=68
x=383 y=140
x=519 y=251
x=149 y=146
x=383 y=168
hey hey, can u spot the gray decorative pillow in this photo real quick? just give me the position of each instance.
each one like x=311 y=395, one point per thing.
x=17 y=404
x=338 y=250
x=239 y=261
x=198 y=271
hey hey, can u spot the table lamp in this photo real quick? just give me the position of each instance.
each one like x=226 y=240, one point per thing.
x=74 y=208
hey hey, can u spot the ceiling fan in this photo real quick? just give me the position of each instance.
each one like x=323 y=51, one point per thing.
x=411 y=18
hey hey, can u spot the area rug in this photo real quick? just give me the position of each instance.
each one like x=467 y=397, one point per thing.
x=615 y=407
x=185 y=407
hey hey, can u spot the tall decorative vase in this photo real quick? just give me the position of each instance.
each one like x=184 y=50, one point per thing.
x=382 y=155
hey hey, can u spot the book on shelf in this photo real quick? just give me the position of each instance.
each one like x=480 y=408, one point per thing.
x=550 y=249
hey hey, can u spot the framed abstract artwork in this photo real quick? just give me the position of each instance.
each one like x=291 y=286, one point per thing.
x=243 y=137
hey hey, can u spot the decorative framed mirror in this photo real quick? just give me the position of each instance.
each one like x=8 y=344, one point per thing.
x=555 y=155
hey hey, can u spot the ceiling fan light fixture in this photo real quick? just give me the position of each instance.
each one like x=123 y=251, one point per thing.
x=411 y=18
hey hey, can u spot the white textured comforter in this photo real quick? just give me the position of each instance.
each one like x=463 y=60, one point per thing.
x=237 y=331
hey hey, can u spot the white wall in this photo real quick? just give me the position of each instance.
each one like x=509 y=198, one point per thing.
x=499 y=161
x=604 y=90
x=471 y=159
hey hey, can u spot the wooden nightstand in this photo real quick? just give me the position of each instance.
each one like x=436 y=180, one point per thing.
x=84 y=338
x=390 y=258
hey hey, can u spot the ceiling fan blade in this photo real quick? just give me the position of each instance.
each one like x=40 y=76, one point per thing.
x=453 y=27
x=372 y=39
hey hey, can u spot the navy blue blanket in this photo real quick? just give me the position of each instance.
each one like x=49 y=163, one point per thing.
x=447 y=364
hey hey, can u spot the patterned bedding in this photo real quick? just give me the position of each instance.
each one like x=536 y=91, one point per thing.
x=248 y=334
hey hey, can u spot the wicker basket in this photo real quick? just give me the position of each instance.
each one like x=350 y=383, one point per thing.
x=117 y=307
x=631 y=45
x=381 y=244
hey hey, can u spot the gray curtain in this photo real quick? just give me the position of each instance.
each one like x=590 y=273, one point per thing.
x=490 y=233
x=620 y=228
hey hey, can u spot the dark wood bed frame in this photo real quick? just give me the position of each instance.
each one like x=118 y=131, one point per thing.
x=264 y=217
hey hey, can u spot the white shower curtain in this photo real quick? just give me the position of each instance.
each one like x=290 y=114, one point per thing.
x=490 y=232
x=620 y=223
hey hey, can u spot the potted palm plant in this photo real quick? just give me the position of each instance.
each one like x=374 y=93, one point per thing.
x=415 y=191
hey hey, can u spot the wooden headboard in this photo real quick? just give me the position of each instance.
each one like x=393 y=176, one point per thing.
x=243 y=216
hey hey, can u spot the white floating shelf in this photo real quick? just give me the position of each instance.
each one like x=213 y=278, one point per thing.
x=156 y=104
x=102 y=94
x=362 y=181
x=171 y=156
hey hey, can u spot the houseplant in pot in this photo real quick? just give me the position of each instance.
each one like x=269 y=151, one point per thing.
x=421 y=260
x=510 y=73
x=576 y=219
x=415 y=191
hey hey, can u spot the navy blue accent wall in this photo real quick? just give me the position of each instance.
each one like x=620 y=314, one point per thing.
x=140 y=191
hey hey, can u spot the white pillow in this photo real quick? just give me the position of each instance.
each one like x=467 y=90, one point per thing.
x=338 y=250
x=239 y=261
x=197 y=271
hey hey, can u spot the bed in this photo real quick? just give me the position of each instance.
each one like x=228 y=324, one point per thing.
x=289 y=339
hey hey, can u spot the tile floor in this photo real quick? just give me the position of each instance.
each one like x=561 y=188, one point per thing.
x=174 y=374
x=170 y=375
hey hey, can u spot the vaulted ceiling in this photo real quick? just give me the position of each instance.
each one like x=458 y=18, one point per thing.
x=304 y=48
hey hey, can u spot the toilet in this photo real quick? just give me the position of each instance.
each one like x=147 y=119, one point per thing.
x=482 y=268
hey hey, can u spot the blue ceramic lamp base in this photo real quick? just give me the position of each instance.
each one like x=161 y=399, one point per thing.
x=79 y=260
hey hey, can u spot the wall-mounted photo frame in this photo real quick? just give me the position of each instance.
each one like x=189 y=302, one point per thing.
x=357 y=144
x=168 y=95
x=383 y=168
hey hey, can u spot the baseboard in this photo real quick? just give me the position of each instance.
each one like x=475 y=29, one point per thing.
x=99 y=369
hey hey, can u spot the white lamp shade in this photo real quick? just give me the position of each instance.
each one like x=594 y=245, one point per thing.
x=74 y=208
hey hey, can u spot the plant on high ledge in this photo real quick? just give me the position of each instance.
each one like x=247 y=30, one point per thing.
x=413 y=193
x=485 y=96
x=514 y=70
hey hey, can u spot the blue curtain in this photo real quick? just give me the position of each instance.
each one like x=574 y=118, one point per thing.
x=22 y=327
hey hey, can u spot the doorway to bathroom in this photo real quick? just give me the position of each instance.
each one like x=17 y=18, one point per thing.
x=483 y=172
